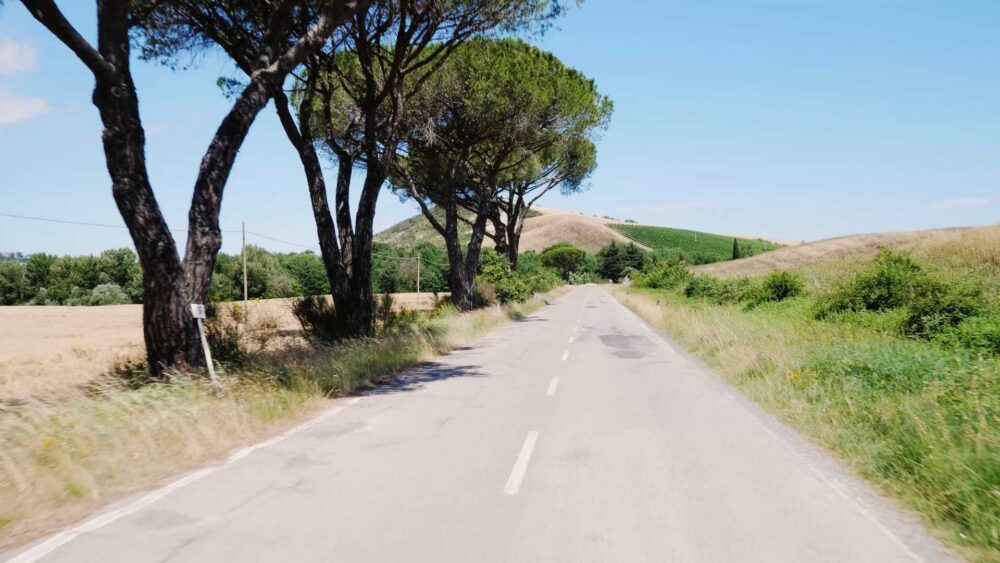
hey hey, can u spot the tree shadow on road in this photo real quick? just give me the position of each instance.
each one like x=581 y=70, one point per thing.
x=415 y=378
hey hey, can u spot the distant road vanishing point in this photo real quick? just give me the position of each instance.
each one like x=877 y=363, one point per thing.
x=576 y=434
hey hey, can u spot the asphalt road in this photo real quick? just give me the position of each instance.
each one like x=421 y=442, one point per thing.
x=576 y=434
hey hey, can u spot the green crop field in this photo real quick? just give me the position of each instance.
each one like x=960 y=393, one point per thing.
x=696 y=247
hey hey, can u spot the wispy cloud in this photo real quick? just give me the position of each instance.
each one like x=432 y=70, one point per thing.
x=16 y=57
x=966 y=202
x=17 y=109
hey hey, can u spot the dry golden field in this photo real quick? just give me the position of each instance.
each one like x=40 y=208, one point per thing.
x=841 y=248
x=46 y=351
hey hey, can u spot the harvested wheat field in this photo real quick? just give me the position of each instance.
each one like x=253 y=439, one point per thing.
x=48 y=351
x=841 y=248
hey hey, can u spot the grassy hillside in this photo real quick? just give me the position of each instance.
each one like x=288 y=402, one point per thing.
x=696 y=246
x=545 y=227
x=836 y=250
x=890 y=360
x=417 y=230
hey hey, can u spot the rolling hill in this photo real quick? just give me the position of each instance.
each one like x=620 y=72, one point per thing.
x=838 y=249
x=546 y=226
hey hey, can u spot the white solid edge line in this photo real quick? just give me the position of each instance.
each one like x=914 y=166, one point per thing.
x=571 y=339
x=565 y=355
x=552 y=387
x=101 y=520
x=521 y=465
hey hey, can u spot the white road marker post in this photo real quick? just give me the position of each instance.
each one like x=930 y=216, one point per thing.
x=198 y=312
x=246 y=286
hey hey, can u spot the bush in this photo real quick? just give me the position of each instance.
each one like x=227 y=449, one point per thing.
x=511 y=289
x=938 y=307
x=578 y=279
x=319 y=319
x=776 y=286
x=504 y=285
x=544 y=280
x=720 y=291
x=979 y=334
x=895 y=281
x=662 y=275
x=390 y=321
x=889 y=282
x=108 y=294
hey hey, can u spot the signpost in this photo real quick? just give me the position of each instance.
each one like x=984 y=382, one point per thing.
x=198 y=312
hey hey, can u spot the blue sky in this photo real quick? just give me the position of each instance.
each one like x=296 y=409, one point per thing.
x=791 y=119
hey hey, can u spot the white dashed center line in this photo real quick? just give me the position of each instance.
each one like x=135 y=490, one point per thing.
x=552 y=387
x=521 y=465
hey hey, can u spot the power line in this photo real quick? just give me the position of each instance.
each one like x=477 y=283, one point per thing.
x=62 y=221
x=88 y=224
x=306 y=246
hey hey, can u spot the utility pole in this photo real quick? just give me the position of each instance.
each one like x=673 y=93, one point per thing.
x=418 y=272
x=246 y=311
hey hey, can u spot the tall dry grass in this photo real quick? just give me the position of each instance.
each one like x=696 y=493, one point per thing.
x=61 y=460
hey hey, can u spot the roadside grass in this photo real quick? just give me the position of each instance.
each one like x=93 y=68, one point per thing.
x=61 y=460
x=919 y=417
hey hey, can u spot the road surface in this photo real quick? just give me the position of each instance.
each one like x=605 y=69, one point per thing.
x=577 y=434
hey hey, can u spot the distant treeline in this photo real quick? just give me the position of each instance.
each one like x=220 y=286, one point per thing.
x=113 y=277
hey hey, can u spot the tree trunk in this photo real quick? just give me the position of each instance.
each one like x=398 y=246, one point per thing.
x=360 y=319
x=512 y=248
x=499 y=232
x=300 y=136
x=169 y=331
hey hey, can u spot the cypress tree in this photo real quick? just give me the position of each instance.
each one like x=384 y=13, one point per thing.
x=736 y=249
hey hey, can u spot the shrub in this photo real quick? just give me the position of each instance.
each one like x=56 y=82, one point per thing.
x=108 y=294
x=545 y=279
x=890 y=281
x=938 y=307
x=507 y=286
x=511 y=289
x=578 y=278
x=720 y=291
x=979 y=334
x=776 y=286
x=392 y=321
x=319 y=319
x=662 y=275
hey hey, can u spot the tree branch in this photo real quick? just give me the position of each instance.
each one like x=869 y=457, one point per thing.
x=49 y=15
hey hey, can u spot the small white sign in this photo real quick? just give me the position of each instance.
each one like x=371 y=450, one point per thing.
x=198 y=310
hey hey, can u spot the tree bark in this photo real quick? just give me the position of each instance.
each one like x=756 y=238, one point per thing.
x=499 y=231
x=169 y=331
x=360 y=317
